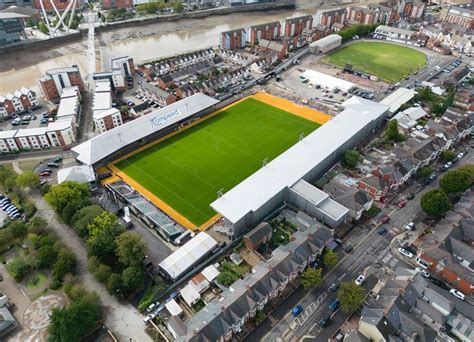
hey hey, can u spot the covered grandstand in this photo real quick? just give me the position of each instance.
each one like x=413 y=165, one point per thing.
x=326 y=81
x=252 y=200
x=134 y=134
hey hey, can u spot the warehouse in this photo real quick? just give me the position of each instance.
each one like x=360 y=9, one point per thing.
x=191 y=253
x=326 y=81
x=252 y=200
x=131 y=135
x=326 y=44
x=396 y=99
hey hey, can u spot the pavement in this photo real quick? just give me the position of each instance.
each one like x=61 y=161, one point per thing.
x=122 y=319
x=370 y=249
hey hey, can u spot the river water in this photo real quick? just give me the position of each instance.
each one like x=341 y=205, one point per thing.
x=142 y=43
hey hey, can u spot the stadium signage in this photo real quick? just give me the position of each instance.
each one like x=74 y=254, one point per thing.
x=160 y=120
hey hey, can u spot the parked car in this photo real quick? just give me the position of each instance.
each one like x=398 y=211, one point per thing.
x=45 y=174
x=382 y=231
x=402 y=203
x=335 y=304
x=56 y=165
x=297 y=310
x=410 y=196
x=334 y=287
x=57 y=160
x=323 y=321
x=410 y=226
x=406 y=253
x=460 y=155
x=422 y=272
x=457 y=294
x=385 y=219
x=448 y=165
x=348 y=249
x=150 y=307
x=359 y=280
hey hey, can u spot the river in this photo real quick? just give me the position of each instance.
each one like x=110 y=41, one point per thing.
x=142 y=43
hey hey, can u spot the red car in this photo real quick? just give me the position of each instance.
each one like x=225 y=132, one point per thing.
x=44 y=174
x=385 y=219
x=402 y=203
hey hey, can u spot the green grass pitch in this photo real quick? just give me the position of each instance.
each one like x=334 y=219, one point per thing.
x=387 y=61
x=187 y=170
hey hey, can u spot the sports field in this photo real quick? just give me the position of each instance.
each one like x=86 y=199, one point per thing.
x=387 y=61
x=186 y=170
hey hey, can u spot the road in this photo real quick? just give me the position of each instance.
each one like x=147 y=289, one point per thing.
x=372 y=249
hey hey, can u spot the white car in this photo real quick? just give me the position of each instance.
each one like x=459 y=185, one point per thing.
x=457 y=294
x=360 y=279
x=448 y=165
x=422 y=272
x=405 y=252
x=410 y=226
x=460 y=155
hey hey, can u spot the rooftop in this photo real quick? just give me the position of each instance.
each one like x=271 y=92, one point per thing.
x=105 y=113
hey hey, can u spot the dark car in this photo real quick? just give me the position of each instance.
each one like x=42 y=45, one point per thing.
x=53 y=165
x=297 y=310
x=348 y=249
x=382 y=231
x=335 y=304
x=439 y=283
x=323 y=321
x=410 y=249
x=410 y=196
x=334 y=287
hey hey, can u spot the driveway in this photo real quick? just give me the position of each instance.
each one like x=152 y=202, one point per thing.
x=122 y=319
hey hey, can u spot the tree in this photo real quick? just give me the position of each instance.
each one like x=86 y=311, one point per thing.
x=455 y=181
x=103 y=232
x=351 y=297
x=46 y=256
x=424 y=171
x=28 y=180
x=392 y=133
x=329 y=258
x=130 y=249
x=103 y=273
x=133 y=277
x=65 y=264
x=227 y=278
x=76 y=321
x=311 y=277
x=469 y=168
x=18 y=229
x=435 y=203
x=18 y=268
x=350 y=158
x=84 y=217
x=178 y=6
x=114 y=284
x=447 y=156
x=67 y=198
x=43 y=28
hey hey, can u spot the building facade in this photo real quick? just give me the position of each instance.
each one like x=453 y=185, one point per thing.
x=107 y=119
x=296 y=26
x=329 y=18
x=18 y=102
x=60 y=5
x=56 y=80
x=233 y=40
x=269 y=31
x=108 y=4
x=460 y=16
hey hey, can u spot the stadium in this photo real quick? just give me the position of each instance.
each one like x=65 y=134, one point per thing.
x=195 y=152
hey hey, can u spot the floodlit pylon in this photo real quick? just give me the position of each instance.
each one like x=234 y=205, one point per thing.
x=71 y=8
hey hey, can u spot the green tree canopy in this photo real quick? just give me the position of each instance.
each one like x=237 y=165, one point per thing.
x=18 y=229
x=64 y=264
x=46 y=256
x=103 y=232
x=424 y=171
x=311 y=277
x=28 y=180
x=435 y=203
x=447 y=156
x=351 y=297
x=133 y=278
x=130 y=249
x=469 y=168
x=392 y=133
x=114 y=284
x=18 y=268
x=455 y=181
x=350 y=158
x=84 y=217
x=103 y=273
x=76 y=321
x=329 y=258
x=67 y=198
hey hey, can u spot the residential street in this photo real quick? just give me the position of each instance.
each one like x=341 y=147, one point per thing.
x=122 y=319
x=369 y=249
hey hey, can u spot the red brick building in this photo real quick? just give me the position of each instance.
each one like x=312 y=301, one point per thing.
x=375 y=186
x=233 y=40
x=361 y=15
x=414 y=9
x=269 y=31
x=61 y=5
x=295 y=26
x=55 y=80
x=106 y=4
x=334 y=16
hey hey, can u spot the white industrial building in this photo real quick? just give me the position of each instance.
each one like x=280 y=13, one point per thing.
x=252 y=200
x=187 y=256
x=396 y=99
x=395 y=34
x=149 y=127
x=326 y=81
x=326 y=44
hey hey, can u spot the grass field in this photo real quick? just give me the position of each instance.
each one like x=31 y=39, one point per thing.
x=387 y=61
x=186 y=170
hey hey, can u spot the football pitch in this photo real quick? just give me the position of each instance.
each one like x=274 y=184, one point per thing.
x=387 y=61
x=186 y=170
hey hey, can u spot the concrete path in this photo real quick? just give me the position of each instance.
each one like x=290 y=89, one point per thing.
x=122 y=319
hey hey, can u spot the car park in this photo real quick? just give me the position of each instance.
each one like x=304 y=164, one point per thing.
x=410 y=226
x=422 y=272
x=359 y=280
x=406 y=253
x=457 y=294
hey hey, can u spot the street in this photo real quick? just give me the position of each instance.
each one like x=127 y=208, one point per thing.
x=372 y=250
